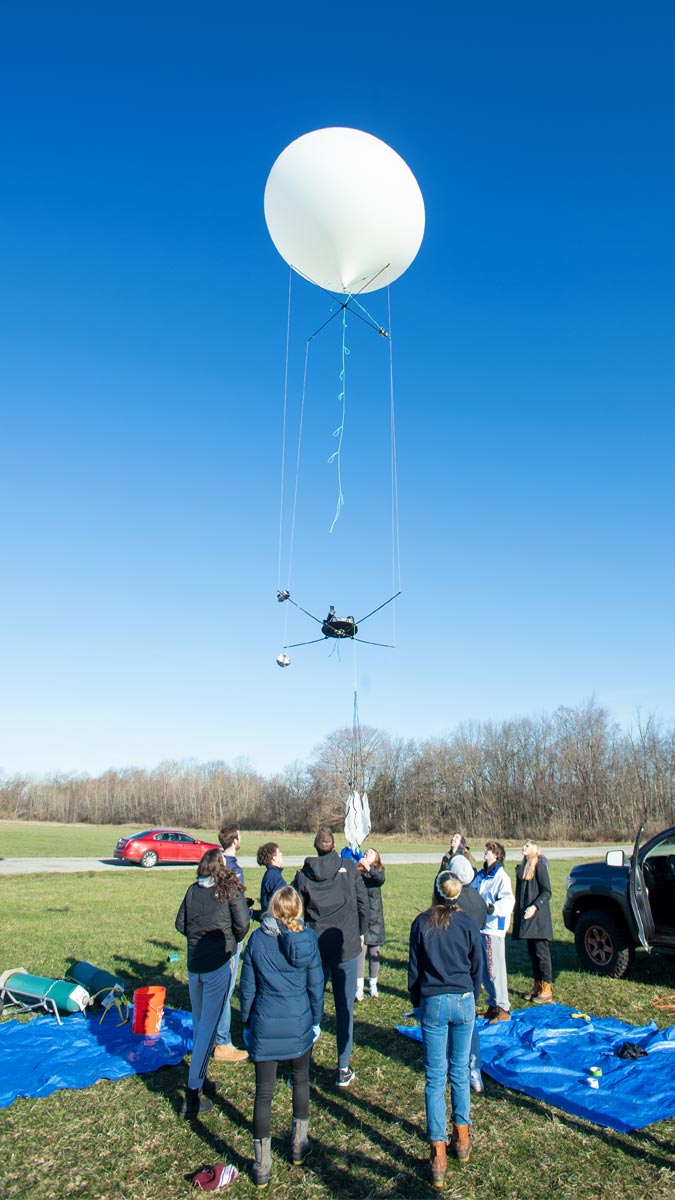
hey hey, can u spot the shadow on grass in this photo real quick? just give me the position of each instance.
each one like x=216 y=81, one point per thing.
x=323 y=1083
x=644 y=1147
x=342 y=1169
x=386 y=1041
x=654 y=969
x=387 y=989
x=171 y=1082
x=143 y=974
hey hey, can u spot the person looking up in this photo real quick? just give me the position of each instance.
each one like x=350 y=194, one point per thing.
x=532 y=919
x=372 y=871
x=224 y=1051
x=214 y=918
x=269 y=856
x=335 y=905
x=494 y=885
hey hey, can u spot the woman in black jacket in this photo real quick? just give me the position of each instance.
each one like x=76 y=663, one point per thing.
x=214 y=918
x=532 y=919
x=372 y=873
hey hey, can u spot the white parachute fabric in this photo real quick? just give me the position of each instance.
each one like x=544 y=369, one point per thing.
x=365 y=817
x=357 y=819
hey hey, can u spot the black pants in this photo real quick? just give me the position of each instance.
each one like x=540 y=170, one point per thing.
x=540 y=957
x=265 y=1079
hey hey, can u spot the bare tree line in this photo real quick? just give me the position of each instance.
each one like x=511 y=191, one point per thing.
x=570 y=775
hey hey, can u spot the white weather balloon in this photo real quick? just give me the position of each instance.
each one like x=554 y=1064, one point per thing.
x=344 y=210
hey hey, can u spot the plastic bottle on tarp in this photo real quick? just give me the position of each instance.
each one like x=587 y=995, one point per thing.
x=95 y=979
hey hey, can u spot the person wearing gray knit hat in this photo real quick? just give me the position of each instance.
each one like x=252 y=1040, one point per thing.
x=461 y=867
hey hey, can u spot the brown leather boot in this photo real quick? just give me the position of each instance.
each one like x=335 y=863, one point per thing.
x=545 y=994
x=499 y=1014
x=438 y=1161
x=461 y=1143
x=531 y=995
x=229 y=1053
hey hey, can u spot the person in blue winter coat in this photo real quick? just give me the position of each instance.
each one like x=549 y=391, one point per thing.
x=281 y=1001
x=269 y=855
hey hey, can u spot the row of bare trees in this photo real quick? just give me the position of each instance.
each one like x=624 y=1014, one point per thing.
x=573 y=774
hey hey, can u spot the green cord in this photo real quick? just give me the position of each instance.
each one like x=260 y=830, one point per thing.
x=338 y=433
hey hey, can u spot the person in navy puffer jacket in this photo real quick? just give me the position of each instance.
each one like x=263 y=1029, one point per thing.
x=281 y=1000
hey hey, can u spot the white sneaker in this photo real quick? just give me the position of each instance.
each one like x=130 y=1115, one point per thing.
x=373 y=991
x=359 y=990
x=476 y=1081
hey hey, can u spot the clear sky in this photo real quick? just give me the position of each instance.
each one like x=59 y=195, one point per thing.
x=142 y=342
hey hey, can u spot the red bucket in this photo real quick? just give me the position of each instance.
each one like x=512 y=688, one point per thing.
x=148 y=1010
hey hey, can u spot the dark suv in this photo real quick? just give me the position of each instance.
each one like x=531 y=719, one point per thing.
x=612 y=907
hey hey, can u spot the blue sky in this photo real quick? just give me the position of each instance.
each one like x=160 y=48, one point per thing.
x=142 y=341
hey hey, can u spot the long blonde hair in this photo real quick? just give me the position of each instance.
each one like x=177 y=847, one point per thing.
x=286 y=906
x=531 y=859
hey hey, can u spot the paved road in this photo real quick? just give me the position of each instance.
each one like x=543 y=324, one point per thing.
x=32 y=866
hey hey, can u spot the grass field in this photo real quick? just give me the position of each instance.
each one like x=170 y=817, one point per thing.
x=32 y=839
x=48 y=839
x=124 y=1139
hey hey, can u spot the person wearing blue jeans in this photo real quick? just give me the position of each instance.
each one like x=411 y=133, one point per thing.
x=444 y=978
x=224 y=1050
x=472 y=903
x=447 y=1022
x=214 y=918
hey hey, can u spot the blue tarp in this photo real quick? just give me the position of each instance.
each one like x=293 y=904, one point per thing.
x=37 y=1057
x=547 y=1052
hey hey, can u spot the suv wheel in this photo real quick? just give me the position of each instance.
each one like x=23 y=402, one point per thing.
x=601 y=945
x=149 y=859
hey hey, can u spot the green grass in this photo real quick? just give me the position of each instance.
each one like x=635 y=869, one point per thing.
x=34 y=839
x=124 y=1139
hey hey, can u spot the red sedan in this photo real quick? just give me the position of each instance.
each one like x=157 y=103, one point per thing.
x=162 y=846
